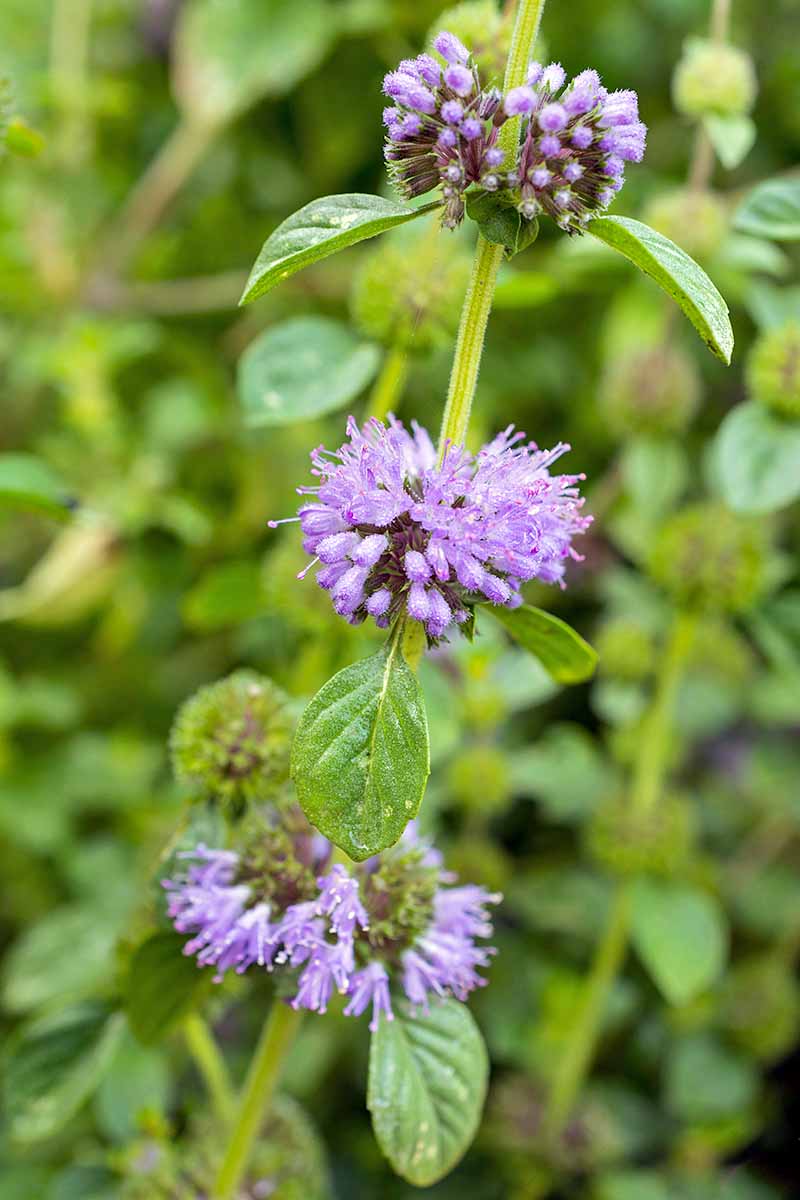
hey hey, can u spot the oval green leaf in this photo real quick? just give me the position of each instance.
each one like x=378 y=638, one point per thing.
x=28 y=482
x=681 y=935
x=772 y=210
x=320 y=229
x=756 y=460
x=501 y=222
x=231 y=53
x=562 y=652
x=301 y=369
x=427 y=1085
x=732 y=138
x=53 y=1065
x=360 y=758
x=676 y=273
x=163 y=985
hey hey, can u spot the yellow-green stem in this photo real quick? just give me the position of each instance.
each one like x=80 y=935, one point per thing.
x=69 y=70
x=388 y=389
x=211 y=1065
x=574 y=1065
x=486 y=264
x=651 y=761
x=646 y=788
x=259 y=1087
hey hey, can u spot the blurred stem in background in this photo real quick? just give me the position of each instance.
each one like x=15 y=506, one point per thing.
x=488 y=257
x=649 y=772
x=389 y=385
x=702 y=164
x=276 y=1040
x=211 y=1065
x=69 y=74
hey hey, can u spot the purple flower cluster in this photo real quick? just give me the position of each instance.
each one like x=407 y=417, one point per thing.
x=325 y=938
x=440 y=127
x=396 y=531
x=443 y=127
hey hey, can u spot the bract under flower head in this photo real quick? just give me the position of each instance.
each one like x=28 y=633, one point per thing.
x=395 y=531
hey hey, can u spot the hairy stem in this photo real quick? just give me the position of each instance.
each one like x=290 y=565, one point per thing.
x=388 y=389
x=486 y=264
x=259 y=1087
x=211 y=1065
x=646 y=788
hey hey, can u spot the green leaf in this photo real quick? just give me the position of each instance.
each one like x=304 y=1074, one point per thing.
x=427 y=1084
x=360 y=759
x=137 y=1082
x=320 y=229
x=560 y=650
x=163 y=985
x=301 y=369
x=675 y=272
x=772 y=210
x=53 y=1065
x=28 y=482
x=227 y=594
x=500 y=222
x=755 y=460
x=732 y=138
x=706 y=1081
x=681 y=935
x=231 y=53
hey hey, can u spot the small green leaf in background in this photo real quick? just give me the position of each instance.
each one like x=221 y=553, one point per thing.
x=560 y=650
x=360 y=759
x=225 y=595
x=676 y=273
x=680 y=933
x=64 y=955
x=705 y=1080
x=755 y=460
x=53 y=1065
x=136 y=1084
x=501 y=223
x=28 y=482
x=163 y=985
x=732 y=137
x=772 y=210
x=303 y=368
x=22 y=139
x=427 y=1084
x=320 y=229
x=771 y=306
x=230 y=53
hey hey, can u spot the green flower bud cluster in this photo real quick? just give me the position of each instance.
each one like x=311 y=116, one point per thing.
x=626 y=650
x=651 y=391
x=276 y=858
x=760 y=1007
x=696 y=220
x=773 y=370
x=479 y=779
x=630 y=843
x=231 y=741
x=719 y=650
x=484 y=30
x=408 y=291
x=714 y=79
x=398 y=897
x=709 y=558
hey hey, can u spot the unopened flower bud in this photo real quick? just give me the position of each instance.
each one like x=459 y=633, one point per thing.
x=231 y=740
x=760 y=1007
x=479 y=25
x=625 y=650
x=628 y=843
x=713 y=79
x=709 y=558
x=653 y=391
x=479 y=779
x=696 y=220
x=773 y=370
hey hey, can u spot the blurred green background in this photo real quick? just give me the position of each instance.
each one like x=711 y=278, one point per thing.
x=119 y=344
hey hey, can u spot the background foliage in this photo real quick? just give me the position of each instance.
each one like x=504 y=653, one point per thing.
x=135 y=390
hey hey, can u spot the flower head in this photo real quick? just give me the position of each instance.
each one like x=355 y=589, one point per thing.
x=395 y=531
x=392 y=922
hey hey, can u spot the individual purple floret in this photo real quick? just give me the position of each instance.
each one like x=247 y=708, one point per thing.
x=390 y=923
x=395 y=532
x=575 y=144
x=440 y=126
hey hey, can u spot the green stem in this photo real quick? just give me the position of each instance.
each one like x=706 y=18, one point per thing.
x=651 y=761
x=69 y=69
x=480 y=291
x=574 y=1066
x=259 y=1087
x=389 y=385
x=211 y=1065
x=646 y=788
